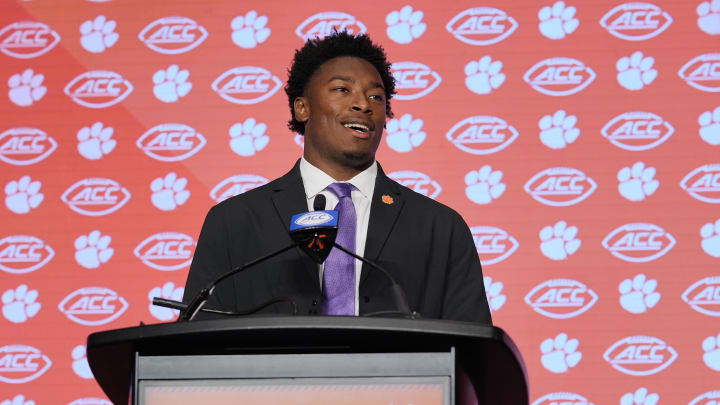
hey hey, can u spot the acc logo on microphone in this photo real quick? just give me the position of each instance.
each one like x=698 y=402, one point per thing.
x=640 y=355
x=93 y=306
x=413 y=80
x=20 y=364
x=21 y=254
x=173 y=35
x=24 y=146
x=481 y=26
x=235 y=185
x=27 y=39
x=636 y=21
x=560 y=186
x=166 y=251
x=561 y=298
x=702 y=72
x=246 y=85
x=313 y=219
x=560 y=398
x=638 y=242
x=418 y=182
x=90 y=401
x=323 y=24
x=98 y=89
x=706 y=398
x=493 y=244
x=703 y=183
x=637 y=130
x=704 y=296
x=95 y=196
x=559 y=76
x=482 y=135
x=171 y=142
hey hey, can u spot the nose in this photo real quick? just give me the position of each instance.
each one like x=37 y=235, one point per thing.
x=360 y=103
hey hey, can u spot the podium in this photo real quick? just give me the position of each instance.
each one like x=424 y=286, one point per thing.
x=433 y=360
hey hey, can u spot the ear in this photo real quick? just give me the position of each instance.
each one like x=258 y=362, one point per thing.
x=302 y=109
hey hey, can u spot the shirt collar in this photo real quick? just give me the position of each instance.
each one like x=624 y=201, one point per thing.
x=316 y=180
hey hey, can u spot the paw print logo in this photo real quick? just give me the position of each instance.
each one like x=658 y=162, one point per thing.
x=405 y=25
x=405 y=133
x=639 y=397
x=167 y=291
x=635 y=72
x=638 y=295
x=637 y=183
x=93 y=249
x=171 y=84
x=710 y=234
x=248 y=138
x=558 y=130
x=557 y=21
x=26 y=88
x=559 y=241
x=711 y=347
x=95 y=141
x=710 y=125
x=484 y=186
x=483 y=76
x=23 y=195
x=98 y=35
x=80 y=364
x=18 y=400
x=168 y=193
x=249 y=30
x=493 y=292
x=709 y=17
x=20 y=304
x=560 y=354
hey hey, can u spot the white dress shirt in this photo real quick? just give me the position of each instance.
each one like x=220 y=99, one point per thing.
x=315 y=182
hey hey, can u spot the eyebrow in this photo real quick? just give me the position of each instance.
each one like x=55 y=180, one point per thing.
x=351 y=80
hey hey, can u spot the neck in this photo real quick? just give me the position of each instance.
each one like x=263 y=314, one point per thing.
x=339 y=172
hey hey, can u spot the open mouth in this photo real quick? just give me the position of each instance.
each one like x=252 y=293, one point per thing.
x=357 y=127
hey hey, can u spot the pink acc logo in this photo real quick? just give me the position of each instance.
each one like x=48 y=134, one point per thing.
x=562 y=398
x=98 y=89
x=166 y=251
x=638 y=242
x=640 y=355
x=93 y=306
x=413 y=80
x=418 y=182
x=21 y=254
x=20 y=364
x=323 y=24
x=703 y=183
x=95 y=196
x=707 y=398
x=560 y=186
x=173 y=35
x=24 y=146
x=481 y=26
x=559 y=76
x=90 y=401
x=235 y=185
x=171 y=142
x=246 y=85
x=637 y=130
x=482 y=135
x=703 y=72
x=704 y=296
x=561 y=298
x=636 y=21
x=27 y=39
x=493 y=244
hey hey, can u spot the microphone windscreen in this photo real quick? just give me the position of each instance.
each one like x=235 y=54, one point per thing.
x=319 y=203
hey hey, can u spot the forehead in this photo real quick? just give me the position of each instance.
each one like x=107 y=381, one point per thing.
x=350 y=67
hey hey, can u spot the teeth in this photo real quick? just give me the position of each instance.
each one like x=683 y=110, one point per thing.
x=358 y=127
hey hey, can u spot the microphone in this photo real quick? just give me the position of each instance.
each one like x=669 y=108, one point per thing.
x=319 y=203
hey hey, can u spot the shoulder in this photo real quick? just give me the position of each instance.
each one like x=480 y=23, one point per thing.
x=424 y=206
x=256 y=197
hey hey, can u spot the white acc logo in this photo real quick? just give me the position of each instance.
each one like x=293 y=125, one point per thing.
x=20 y=254
x=640 y=355
x=24 y=146
x=414 y=80
x=560 y=186
x=704 y=296
x=323 y=24
x=246 y=85
x=636 y=21
x=95 y=196
x=27 y=39
x=166 y=251
x=93 y=306
x=703 y=183
x=482 y=135
x=706 y=398
x=703 y=72
x=235 y=185
x=171 y=142
x=561 y=298
x=98 y=89
x=90 y=401
x=20 y=364
x=493 y=244
x=418 y=182
x=638 y=242
x=562 y=398
x=314 y=218
x=481 y=26
x=637 y=130
x=173 y=35
x=559 y=76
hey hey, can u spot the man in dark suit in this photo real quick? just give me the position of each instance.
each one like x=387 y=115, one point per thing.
x=339 y=89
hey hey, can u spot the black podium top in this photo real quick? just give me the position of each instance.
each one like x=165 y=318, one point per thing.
x=486 y=353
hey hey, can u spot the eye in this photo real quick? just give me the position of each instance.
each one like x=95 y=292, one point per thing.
x=341 y=89
x=377 y=97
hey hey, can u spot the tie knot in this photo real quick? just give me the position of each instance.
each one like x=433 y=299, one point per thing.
x=341 y=189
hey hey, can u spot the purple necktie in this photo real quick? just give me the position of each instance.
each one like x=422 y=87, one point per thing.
x=339 y=274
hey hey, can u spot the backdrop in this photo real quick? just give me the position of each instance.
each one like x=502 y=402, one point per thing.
x=580 y=141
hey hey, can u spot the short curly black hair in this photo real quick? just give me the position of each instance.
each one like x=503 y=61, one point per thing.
x=317 y=51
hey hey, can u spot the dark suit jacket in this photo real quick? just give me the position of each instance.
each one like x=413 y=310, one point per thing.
x=426 y=246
